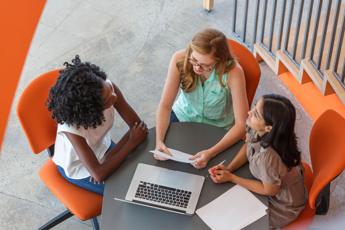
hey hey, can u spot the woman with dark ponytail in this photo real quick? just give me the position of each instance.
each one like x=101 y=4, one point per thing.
x=274 y=160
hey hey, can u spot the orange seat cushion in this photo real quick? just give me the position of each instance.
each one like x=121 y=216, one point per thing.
x=80 y=202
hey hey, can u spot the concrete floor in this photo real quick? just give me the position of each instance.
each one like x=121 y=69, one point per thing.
x=133 y=42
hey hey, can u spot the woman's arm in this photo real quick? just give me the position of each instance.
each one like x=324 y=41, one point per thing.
x=239 y=160
x=128 y=114
x=169 y=94
x=101 y=170
x=97 y=170
x=237 y=85
x=117 y=147
x=124 y=109
x=256 y=186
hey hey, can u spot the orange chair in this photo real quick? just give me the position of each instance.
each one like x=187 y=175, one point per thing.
x=249 y=65
x=40 y=129
x=327 y=152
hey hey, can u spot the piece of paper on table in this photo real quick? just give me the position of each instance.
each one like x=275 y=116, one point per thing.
x=176 y=155
x=235 y=209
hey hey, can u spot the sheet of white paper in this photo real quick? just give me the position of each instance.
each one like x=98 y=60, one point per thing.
x=234 y=209
x=176 y=155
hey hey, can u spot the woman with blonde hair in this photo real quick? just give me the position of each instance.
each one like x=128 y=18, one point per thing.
x=213 y=92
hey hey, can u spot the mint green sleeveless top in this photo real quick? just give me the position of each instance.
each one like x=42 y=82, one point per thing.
x=209 y=103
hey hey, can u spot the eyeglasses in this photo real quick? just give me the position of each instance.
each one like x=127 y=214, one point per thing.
x=204 y=67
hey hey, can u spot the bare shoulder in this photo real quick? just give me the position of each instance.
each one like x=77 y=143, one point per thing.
x=236 y=75
x=115 y=87
x=117 y=91
x=178 y=55
x=236 y=70
x=75 y=139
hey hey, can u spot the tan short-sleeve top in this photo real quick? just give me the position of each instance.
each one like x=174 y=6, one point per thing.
x=266 y=165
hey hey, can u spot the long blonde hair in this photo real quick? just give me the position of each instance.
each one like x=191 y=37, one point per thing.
x=207 y=41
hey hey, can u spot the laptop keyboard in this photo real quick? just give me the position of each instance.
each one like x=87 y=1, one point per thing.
x=163 y=194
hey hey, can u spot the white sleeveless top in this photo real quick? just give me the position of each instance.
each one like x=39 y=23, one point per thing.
x=99 y=140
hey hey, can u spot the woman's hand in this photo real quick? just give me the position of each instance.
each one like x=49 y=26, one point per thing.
x=220 y=174
x=213 y=169
x=160 y=146
x=137 y=133
x=201 y=159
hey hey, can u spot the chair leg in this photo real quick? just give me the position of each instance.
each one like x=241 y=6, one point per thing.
x=56 y=220
x=323 y=200
x=95 y=224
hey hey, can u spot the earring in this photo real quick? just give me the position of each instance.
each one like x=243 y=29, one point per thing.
x=268 y=128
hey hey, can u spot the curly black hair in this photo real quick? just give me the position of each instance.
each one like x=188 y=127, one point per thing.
x=76 y=98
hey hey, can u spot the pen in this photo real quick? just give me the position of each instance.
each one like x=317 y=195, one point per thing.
x=220 y=163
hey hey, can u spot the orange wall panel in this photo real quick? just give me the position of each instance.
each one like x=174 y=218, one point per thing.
x=310 y=97
x=18 y=21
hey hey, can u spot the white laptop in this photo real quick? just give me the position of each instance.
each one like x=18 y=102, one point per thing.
x=164 y=189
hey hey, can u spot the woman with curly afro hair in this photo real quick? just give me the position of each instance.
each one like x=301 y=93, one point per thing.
x=83 y=103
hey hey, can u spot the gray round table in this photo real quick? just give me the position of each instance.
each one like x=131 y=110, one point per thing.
x=184 y=136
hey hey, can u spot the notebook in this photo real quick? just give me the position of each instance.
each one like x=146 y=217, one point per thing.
x=235 y=209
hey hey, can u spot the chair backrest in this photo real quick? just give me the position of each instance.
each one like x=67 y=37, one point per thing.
x=249 y=65
x=34 y=117
x=327 y=152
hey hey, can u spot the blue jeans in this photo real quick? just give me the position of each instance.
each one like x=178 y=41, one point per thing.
x=85 y=183
x=173 y=117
